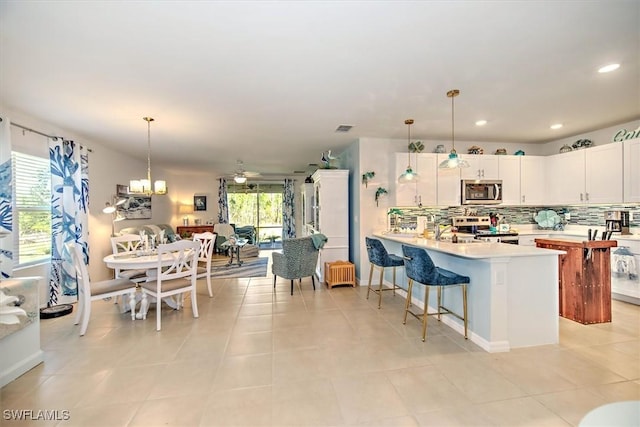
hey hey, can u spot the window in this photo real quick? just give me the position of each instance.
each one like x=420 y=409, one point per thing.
x=257 y=204
x=32 y=214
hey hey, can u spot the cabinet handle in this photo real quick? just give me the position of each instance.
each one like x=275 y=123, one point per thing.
x=523 y=199
x=581 y=199
x=587 y=196
x=482 y=173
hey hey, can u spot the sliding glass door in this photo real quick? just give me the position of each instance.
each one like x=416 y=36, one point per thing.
x=260 y=205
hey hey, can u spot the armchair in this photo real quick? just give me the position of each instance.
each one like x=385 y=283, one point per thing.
x=298 y=259
x=247 y=232
x=222 y=231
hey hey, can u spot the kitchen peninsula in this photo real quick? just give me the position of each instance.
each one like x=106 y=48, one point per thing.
x=513 y=294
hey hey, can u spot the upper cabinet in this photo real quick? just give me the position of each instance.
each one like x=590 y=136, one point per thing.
x=509 y=167
x=448 y=184
x=590 y=175
x=533 y=180
x=632 y=170
x=426 y=167
x=480 y=167
x=523 y=179
x=595 y=175
x=603 y=177
x=422 y=191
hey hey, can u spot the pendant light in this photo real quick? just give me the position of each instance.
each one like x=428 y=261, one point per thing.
x=143 y=186
x=453 y=161
x=409 y=175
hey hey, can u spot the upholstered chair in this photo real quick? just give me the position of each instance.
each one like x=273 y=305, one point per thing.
x=380 y=258
x=298 y=259
x=420 y=268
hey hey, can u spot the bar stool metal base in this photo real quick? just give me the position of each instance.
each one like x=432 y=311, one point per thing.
x=381 y=288
x=441 y=309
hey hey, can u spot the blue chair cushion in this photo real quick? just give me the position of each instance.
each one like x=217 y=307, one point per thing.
x=379 y=256
x=420 y=267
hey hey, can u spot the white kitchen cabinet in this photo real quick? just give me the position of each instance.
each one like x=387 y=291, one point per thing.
x=509 y=167
x=423 y=191
x=632 y=170
x=404 y=193
x=533 y=180
x=448 y=184
x=591 y=175
x=530 y=239
x=565 y=178
x=480 y=167
x=603 y=177
x=331 y=215
x=427 y=168
x=523 y=179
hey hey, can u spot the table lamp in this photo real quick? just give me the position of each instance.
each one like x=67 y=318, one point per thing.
x=185 y=210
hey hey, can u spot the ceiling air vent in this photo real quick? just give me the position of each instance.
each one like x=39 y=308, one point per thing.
x=343 y=128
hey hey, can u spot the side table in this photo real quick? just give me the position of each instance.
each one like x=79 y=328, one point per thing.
x=234 y=250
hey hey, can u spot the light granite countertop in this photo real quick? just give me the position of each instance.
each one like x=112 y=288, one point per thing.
x=475 y=250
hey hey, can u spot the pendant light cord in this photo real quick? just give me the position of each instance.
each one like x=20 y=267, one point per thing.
x=452 y=94
x=409 y=122
x=148 y=120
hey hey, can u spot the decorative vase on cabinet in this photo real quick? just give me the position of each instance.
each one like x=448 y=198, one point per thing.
x=331 y=215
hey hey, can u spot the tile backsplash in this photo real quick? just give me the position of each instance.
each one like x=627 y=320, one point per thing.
x=579 y=214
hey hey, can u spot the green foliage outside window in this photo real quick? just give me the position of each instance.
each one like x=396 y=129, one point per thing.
x=258 y=205
x=32 y=182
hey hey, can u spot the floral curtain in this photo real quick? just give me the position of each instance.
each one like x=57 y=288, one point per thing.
x=223 y=202
x=6 y=201
x=288 y=210
x=69 y=215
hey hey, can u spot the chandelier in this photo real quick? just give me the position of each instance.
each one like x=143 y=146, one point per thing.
x=143 y=186
x=453 y=161
x=408 y=175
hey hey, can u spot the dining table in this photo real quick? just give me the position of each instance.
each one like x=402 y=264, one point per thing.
x=141 y=260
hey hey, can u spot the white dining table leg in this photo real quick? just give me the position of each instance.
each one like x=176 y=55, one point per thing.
x=132 y=304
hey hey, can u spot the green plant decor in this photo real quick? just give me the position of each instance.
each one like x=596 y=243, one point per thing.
x=379 y=192
x=366 y=177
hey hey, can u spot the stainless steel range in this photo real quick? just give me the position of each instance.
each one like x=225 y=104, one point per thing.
x=480 y=226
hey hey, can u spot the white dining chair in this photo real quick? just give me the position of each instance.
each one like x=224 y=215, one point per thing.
x=207 y=241
x=128 y=243
x=91 y=291
x=174 y=279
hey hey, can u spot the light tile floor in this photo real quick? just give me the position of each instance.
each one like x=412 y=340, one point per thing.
x=256 y=357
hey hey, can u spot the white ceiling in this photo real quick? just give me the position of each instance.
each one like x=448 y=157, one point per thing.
x=269 y=82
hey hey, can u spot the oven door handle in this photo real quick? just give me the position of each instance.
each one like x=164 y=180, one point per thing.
x=497 y=192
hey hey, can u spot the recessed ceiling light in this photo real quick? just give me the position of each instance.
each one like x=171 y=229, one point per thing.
x=481 y=122
x=556 y=126
x=608 y=68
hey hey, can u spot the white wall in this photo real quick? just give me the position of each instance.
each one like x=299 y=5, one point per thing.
x=598 y=137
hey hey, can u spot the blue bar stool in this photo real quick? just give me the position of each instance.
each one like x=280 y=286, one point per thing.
x=378 y=257
x=420 y=268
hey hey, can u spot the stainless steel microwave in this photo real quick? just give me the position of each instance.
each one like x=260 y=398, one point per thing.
x=485 y=192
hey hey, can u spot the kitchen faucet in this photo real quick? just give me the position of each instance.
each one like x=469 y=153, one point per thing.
x=440 y=232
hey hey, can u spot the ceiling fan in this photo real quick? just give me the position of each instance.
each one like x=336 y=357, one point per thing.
x=240 y=175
